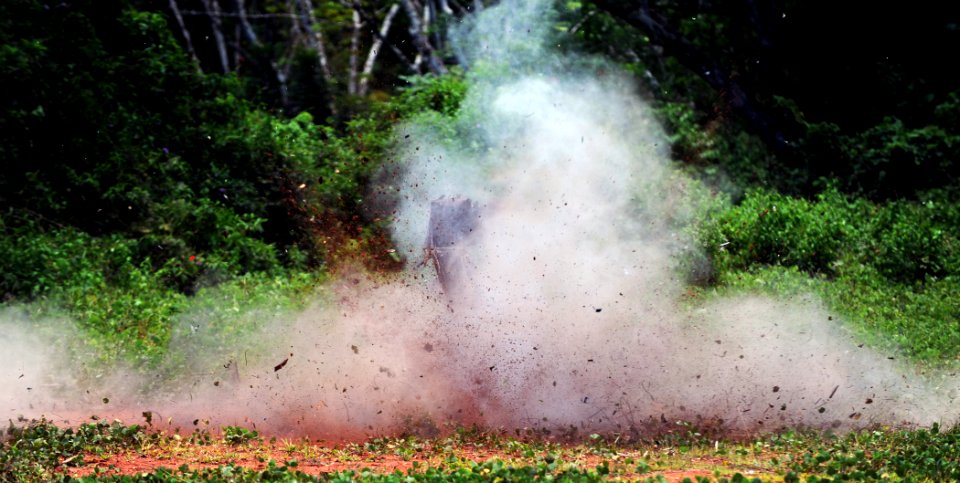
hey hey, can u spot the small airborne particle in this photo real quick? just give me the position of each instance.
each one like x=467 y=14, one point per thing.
x=355 y=349
x=106 y=400
x=776 y=388
x=869 y=401
x=598 y=310
x=822 y=410
x=280 y=365
x=492 y=367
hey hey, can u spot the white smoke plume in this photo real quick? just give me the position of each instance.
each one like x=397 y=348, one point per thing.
x=569 y=312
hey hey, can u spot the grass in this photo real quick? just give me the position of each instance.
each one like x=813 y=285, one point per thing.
x=41 y=451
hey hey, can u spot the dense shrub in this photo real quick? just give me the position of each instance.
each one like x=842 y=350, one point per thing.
x=892 y=268
x=774 y=229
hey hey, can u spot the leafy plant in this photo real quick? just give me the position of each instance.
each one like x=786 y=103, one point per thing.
x=237 y=435
x=34 y=450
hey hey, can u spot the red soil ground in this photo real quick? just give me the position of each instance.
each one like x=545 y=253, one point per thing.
x=316 y=459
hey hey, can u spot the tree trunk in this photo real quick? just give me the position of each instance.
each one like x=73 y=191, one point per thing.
x=417 y=32
x=213 y=11
x=364 y=86
x=316 y=40
x=383 y=39
x=247 y=28
x=186 y=33
x=352 y=86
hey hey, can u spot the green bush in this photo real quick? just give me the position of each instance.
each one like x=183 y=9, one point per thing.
x=38 y=448
x=923 y=454
x=917 y=240
x=891 y=268
x=773 y=229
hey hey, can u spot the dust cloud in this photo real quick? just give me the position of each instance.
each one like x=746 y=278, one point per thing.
x=569 y=314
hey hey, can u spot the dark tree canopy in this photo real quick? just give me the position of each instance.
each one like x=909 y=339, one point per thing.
x=852 y=91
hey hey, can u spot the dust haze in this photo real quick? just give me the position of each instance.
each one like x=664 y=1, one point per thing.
x=570 y=313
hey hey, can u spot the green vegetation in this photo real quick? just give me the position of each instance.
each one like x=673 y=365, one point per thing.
x=892 y=268
x=870 y=456
x=238 y=435
x=33 y=452
x=41 y=451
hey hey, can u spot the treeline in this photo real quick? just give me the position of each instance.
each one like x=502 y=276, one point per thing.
x=787 y=94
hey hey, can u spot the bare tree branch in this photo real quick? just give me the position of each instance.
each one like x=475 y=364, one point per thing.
x=420 y=39
x=312 y=26
x=580 y=22
x=383 y=39
x=183 y=31
x=245 y=22
x=445 y=7
x=354 y=54
x=375 y=48
x=238 y=14
x=282 y=68
x=213 y=10
x=431 y=14
x=236 y=46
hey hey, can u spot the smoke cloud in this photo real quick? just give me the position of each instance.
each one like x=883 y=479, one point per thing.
x=568 y=313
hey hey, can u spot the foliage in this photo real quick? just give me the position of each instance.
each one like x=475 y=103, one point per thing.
x=237 y=435
x=891 y=159
x=747 y=90
x=874 y=455
x=37 y=448
x=768 y=228
x=892 y=268
x=41 y=451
